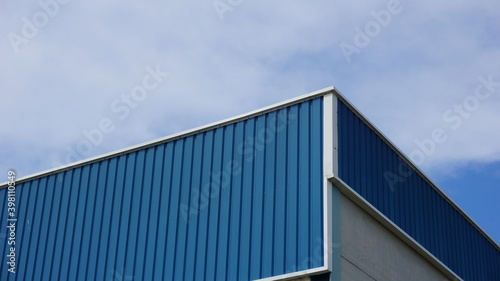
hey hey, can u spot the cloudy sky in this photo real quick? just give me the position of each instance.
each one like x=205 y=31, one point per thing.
x=414 y=68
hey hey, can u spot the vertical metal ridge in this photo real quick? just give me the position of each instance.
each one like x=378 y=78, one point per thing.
x=61 y=191
x=223 y=206
x=43 y=229
x=25 y=222
x=252 y=242
x=116 y=218
x=190 y=180
x=169 y=168
x=145 y=218
x=89 y=225
x=155 y=209
x=40 y=229
x=127 y=217
x=23 y=256
x=106 y=222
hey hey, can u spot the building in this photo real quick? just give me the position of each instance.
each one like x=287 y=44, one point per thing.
x=307 y=189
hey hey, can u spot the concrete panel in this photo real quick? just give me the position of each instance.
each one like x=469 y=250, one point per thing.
x=371 y=252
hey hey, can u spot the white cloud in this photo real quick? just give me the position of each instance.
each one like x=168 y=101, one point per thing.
x=65 y=78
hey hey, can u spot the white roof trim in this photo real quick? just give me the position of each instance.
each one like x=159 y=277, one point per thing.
x=177 y=135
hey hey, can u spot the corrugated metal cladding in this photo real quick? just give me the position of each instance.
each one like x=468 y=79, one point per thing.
x=239 y=202
x=376 y=172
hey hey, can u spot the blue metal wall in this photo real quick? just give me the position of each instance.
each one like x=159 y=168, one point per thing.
x=379 y=174
x=239 y=202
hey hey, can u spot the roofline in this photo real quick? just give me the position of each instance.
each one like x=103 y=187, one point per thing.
x=414 y=166
x=249 y=115
x=176 y=136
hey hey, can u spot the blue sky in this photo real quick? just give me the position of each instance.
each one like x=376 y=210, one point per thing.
x=411 y=67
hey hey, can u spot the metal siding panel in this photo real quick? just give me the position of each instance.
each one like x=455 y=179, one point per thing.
x=303 y=187
x=214 y=203
x=164 y=213
x=151 y=247
x=434 y=230
x=408 y=202
x=44 y=227
x=412 y=203
x=107 y=200
x=173 y=217
x=452 y=239
x=386 y=203
x=236 y=204
x=73 y=255
x=280 y=215
x=204 y=206
x=145 y=212
x=291 y=193
x=54 y=225
x=239 y=202
x=427 y=214
x=402 y=196
x=94 y=224
x=362 y=159
x=73 y=180
x=115 y=222
x=134 y=214
x=88 y=231
x=269 y=167
x=224 y=178
x=377 y=181
x=421 y=220
x=185 y=189
x=246 y=218
x=124 y=231
x=193 y=203
x=258 y=200
x=388 y=193
x=37 y=229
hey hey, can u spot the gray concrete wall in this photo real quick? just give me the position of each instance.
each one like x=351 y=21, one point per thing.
x=369 y=251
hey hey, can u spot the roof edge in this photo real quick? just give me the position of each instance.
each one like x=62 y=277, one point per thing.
x=175 y=136
x=415 y=167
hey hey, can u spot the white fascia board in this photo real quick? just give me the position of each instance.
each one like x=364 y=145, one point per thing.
x=298 y=274
x=329 y=164
x=182 y=134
